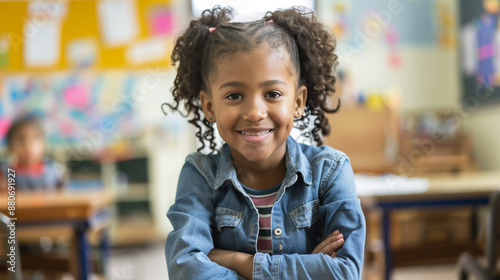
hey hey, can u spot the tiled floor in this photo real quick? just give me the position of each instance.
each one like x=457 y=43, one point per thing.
x=141 y=263
x=434 y=272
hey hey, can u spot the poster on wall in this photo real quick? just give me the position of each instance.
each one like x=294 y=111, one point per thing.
x=73 y=107
x=367 y=21
x=479 y=53
x=118 y=21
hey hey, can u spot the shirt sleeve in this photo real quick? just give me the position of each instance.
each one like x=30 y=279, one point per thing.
x=189 y=243
x=340 y=209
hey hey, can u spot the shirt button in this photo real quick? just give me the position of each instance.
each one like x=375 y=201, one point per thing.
x=278 y=231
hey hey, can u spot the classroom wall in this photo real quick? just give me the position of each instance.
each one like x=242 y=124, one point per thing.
x=480 y=122
x=427 y=77
x=427 y=80
x=484 y=124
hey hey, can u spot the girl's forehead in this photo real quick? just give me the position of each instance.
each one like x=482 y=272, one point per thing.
x=260 y=56
x=262 y=50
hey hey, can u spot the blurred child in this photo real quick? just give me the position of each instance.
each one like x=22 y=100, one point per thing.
x=25 y=148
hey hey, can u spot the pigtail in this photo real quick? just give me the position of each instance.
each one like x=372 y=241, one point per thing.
x=187 y=55
x=317 y=65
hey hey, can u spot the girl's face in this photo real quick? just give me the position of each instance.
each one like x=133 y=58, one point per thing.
x=28 y=145
x=491 y=6
x=253 y=100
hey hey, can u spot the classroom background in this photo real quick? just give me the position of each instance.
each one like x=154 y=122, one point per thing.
x=418 y=103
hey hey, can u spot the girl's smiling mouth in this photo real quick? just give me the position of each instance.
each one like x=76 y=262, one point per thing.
x=255 y=135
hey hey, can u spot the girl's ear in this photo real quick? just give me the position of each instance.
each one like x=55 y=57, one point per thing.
x=300 y=101
x=207 y=106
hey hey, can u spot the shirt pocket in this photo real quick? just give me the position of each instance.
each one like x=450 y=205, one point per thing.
x=306 y=215
x=225 y=217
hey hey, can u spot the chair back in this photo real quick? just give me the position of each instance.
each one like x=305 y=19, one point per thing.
x=492 y=231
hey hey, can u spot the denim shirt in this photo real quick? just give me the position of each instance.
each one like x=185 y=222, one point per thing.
x=316 y=197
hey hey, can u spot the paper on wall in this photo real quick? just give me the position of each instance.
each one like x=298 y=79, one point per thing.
x=469 y=49
x=4 y=126
x=5 y=89
x=82 y=52
x=76 y=96
x=118 y=21
x=47 y=9
x=161 y=21
x=150 y=50
x=42 y=43
x=4 y=50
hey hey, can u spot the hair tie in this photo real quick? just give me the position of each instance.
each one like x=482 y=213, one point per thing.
x=211 y=29
x=270 y=21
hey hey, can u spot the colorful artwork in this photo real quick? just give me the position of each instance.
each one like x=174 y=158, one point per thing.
x=4 y=50
x=161 y=21
x=365 y=21
x=446 y=20
x=480 y=51
x=73 y=107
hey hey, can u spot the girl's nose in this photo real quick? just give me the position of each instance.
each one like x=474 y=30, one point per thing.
x=255 y=110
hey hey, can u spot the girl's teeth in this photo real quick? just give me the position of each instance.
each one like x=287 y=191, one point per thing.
x=254 y=133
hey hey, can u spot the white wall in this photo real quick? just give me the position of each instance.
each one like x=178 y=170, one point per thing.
x=170 y=140
x=485 y=126
x=426 y=78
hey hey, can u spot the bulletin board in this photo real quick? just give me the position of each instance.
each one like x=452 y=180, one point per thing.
x=82 y=20
x=478 y=56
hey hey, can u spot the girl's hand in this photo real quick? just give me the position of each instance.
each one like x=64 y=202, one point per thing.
x=240 y=262
x=332 y=243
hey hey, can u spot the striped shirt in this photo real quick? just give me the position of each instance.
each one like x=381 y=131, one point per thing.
x=264 y=201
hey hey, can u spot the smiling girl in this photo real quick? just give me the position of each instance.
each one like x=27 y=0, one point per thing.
x=263 y=206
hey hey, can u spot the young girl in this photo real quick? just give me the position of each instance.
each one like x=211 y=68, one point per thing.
x=264 y=206
x=26 y=146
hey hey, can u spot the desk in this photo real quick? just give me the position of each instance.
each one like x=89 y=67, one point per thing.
x=80 y=210
x=471 y=189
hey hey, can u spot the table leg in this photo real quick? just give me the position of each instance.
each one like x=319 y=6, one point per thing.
x=104 y=249
x=387 y=245
x=83 y=248
x=474 y=222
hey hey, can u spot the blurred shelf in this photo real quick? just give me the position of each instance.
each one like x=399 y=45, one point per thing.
x=133 y=192
x=442 y=252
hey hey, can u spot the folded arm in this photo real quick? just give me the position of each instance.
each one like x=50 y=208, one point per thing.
x=243 y=262
x=189 y=243
x=340 y=210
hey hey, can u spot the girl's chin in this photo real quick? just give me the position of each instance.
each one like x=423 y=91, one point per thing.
x=256 y=156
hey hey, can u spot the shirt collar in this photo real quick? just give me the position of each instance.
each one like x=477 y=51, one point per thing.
x=296 y=162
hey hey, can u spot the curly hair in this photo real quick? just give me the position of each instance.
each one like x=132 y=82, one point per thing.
x=197 y=52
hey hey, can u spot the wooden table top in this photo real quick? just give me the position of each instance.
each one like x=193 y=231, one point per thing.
x=448 y=185
x=35 y=207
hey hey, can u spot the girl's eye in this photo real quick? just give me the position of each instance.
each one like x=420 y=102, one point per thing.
x=273 y=94
x=233 y=96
